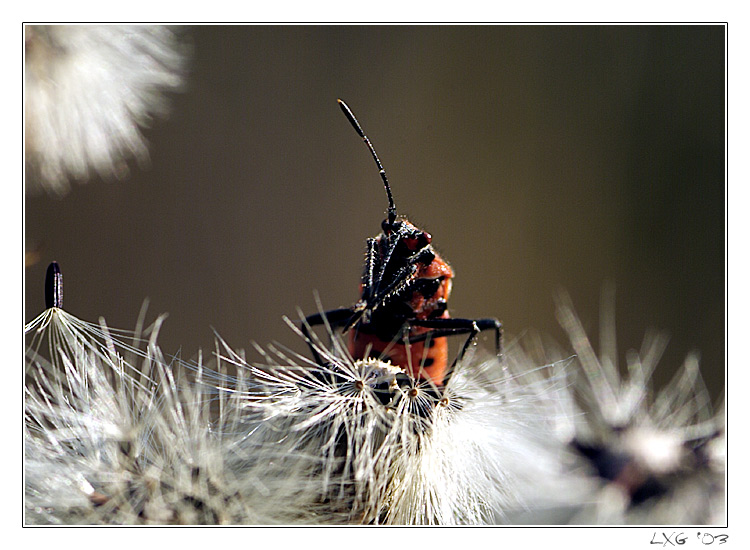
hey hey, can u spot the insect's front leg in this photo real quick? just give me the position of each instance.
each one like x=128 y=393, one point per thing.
x=373 y=295
x=403 y=278
x=368 y=276
x=453 y=326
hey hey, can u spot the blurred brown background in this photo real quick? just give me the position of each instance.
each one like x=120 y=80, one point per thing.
x=539 y=158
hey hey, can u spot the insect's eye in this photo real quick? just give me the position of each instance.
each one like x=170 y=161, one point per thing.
x=418 y=241
x=411 y=243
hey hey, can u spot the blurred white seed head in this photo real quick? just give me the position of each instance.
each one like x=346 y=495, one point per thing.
x=88 y=90
x=658 y=455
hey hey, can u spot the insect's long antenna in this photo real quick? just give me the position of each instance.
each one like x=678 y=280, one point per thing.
x=358 y=128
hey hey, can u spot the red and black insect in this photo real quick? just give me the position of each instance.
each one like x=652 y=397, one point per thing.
x=402 y=314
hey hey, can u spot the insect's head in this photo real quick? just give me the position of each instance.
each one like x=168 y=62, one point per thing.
x=404 y=236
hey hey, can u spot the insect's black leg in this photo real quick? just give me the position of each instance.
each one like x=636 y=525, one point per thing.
x=442 y=327
x=334 y=317
x=369 y=272
x=497 y=326
x=400 y=281
x=451 y=327
x=368 y=287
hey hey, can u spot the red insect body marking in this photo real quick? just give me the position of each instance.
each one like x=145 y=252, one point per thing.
x=421 y=359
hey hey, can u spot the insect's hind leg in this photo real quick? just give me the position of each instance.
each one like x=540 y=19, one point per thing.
x=452 y=327
x=480 y=324
x=334 y=317
x=497 y=326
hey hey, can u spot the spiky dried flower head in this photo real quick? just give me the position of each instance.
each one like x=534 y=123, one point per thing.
x=658 y=454
x=88 y=90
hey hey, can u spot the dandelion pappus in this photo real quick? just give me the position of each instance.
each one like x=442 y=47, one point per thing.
x=402 y=314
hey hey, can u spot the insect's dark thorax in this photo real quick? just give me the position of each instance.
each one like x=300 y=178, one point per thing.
x=425 y=298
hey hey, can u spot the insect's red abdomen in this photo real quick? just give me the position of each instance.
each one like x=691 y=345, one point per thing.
x=419 y=360
x=429 y=364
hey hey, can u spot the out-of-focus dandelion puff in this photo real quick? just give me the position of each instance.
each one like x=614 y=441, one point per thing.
x=660 y=458
x=373 y=445
x=88 y=90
